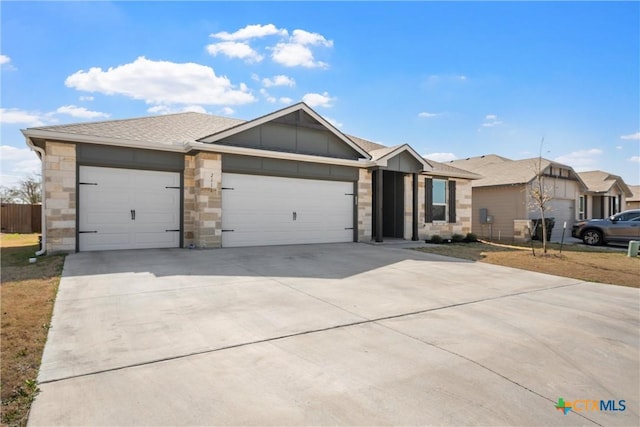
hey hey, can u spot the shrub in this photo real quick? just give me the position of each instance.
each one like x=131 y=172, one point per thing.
x=436 y=239
x=471 y=238
x=457 y=238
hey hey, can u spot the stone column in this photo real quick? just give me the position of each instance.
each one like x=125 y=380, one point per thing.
x=60 y=196
x=208 y=200
x=365 y=211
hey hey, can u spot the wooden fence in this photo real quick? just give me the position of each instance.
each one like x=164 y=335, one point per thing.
x=18 y=218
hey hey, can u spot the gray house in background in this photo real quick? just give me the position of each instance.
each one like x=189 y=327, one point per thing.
x=606 y=194
x=192 y=179
x=502 y=204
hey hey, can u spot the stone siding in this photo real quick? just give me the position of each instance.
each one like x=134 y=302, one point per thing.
x=60 y=196
x=365 y=207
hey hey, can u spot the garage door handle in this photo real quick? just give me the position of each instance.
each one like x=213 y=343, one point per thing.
x=295 y=216
x=133 y=214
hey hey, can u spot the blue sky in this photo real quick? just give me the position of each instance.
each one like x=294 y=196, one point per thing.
x=452 y=79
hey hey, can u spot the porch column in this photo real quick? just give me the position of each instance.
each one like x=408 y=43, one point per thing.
x=414 y=235
x=378 y=224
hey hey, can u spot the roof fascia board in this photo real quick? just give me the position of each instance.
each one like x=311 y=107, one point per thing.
x=92 y=139
x=255 y=152
x=448 y=174
x=280 y=113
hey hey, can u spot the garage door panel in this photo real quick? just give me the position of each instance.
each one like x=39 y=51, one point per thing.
x=106 y=205
x=260 y=210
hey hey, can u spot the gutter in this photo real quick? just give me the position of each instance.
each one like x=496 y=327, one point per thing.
x=41 y=154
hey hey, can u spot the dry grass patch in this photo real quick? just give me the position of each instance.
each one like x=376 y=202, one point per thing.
x=27 y=294
x=578 y=262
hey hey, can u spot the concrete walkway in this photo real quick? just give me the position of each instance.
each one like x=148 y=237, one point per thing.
x=344 y=334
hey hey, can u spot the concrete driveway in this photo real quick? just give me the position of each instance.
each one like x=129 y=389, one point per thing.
x=343 y=334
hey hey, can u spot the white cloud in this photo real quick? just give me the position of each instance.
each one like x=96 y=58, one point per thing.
x=81 y=112
x=267 y=96
x=162 y=82
x=17 y=116
x=633 y=136
x=280 y=80
x=491 y=120
x=318 y=100
x=5 y=63
x=227 y=111
x=441 y=157
x=286 y=100
x=17 y=163
x=251 y=32
x=235 y=50
x=580 y=160
x=619 y=147
x=297 y=52
x=434 y=79
x=165 y=109
x=635 y=159
x=86 y=98
x=334 y=122
x=426 y=115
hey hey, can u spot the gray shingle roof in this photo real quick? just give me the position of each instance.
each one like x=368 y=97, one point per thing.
x=169 y=129
x=635 y=190
x=601 y=182
x=496 y=170
x=183 y=128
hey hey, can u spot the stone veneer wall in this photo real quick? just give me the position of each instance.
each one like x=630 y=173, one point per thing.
x=365 y=207
x=463 y=212
x=60 y=196
x=521 y=229
x=205 y=195
x=189 y=202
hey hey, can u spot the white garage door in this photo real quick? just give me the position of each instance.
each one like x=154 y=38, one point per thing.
x=128 y=209
x=263 y=210
x=562 y=211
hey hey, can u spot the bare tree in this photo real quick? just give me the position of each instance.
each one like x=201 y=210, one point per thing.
x=26 y=191
x=541 y=195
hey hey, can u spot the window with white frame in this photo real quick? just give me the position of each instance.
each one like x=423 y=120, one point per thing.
x=440 y=200
x=581 y=207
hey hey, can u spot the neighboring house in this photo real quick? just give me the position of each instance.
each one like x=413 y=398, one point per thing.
x=605 y=195
x=633 y=202
x=192 y=179
x=502 y=203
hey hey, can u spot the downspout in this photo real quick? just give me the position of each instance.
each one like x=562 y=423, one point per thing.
x=43 y=221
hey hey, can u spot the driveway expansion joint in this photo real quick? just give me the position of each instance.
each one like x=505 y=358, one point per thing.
x=312 y=331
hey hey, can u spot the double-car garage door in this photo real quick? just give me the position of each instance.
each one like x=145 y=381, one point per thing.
x=136 y=209
x=265 y=210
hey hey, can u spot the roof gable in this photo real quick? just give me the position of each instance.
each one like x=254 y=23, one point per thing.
x=602 y=182
x=401 y=158
x=298 y=116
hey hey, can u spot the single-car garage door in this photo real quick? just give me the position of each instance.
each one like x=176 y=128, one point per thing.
x=264 y=210
x=128 y=209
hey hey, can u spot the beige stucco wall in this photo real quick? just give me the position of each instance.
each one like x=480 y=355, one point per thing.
x=504 y=204
x=365 y=208
x=60 y=196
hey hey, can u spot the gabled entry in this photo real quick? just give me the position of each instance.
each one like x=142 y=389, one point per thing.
x=389 y=191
